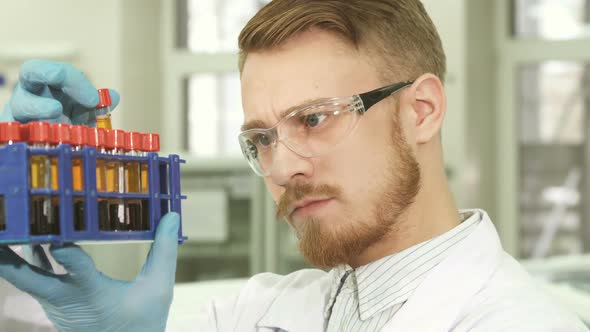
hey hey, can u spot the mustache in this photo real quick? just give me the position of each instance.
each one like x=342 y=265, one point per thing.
x=299 y=191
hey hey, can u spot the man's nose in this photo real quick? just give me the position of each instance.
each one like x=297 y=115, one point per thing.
x=288 y=165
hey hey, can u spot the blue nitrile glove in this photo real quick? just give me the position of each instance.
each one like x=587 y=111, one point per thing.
x=55 y=92
x=86 y=300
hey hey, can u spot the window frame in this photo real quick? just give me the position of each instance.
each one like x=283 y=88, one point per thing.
x=511 y=53
x=177 y=66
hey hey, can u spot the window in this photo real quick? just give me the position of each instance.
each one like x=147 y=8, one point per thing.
x=552 y=105
x=213 y=26
x=552 y=102
x=201 y=81
x=551 y=19
x=214 y=114
x=543 y=148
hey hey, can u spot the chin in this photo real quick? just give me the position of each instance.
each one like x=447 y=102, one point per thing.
x=329 y=242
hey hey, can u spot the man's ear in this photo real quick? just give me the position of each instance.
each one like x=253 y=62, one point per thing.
x=429 y=105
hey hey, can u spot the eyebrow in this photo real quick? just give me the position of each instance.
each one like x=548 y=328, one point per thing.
x=259 y=124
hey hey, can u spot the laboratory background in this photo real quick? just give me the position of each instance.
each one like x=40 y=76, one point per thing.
x=516 y=134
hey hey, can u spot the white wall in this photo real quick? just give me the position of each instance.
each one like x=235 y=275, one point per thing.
x=449 y=18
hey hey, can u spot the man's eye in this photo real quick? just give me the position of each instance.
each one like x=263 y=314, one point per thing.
x=262 y=140
x=314 y=120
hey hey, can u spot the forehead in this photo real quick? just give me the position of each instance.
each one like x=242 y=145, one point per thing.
x=315 y=64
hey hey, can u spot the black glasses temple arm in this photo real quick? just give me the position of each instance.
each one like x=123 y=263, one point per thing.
x=373 y=97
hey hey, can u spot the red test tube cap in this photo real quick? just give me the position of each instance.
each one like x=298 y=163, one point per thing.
x=78 y=135
x=115 y=139
x=133 y=141
x=10 y=132
x=104 y=96
x=95 y=137
x=60 y=133
x=38 y=132
x=151 y=142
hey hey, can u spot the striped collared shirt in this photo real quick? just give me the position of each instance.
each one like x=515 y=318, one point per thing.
x=366 y=299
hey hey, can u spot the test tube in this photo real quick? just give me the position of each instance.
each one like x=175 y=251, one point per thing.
x=10 y=133
x=37 y=134
x=150 y=142
x=59 y=134
x=96 y=139
x=115 y=145
x=103 y=109
x=78 y=136
x=133 y=207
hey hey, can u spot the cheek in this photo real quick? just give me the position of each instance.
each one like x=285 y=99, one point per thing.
x=275 y=191
x=360 y=164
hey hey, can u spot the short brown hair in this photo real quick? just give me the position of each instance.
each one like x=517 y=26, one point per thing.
x=398 y=33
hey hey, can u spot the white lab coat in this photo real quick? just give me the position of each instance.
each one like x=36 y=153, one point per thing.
x=478 y=287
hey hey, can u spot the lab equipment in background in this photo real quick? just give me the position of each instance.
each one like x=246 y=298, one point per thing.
x=241 y=235
x=54 y=166
x=562 y=198
x=103 y=109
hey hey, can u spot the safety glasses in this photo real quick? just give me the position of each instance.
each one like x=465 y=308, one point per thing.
x=312 y=129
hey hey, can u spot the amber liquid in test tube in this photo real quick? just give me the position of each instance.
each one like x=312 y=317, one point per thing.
x=10 y=132
x=78 y=137
x=40 y=178
x=115 y=145
x=96 y=139
x=150 y=143
x=59 y=134
x=133 y=209
x=103 y=109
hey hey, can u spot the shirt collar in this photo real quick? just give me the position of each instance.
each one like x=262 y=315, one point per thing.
x=392 y=279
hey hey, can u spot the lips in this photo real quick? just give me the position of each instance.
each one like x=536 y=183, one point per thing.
x=306 y=203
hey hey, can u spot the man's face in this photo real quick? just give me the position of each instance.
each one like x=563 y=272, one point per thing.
x=341 y=202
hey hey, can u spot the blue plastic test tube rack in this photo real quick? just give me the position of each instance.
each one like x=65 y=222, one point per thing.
x=164 y=194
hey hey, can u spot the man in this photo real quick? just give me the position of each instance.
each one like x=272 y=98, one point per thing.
x=343 y=104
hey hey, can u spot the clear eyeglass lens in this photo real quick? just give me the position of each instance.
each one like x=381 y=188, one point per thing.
x=311 y=132
x=316 y=130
